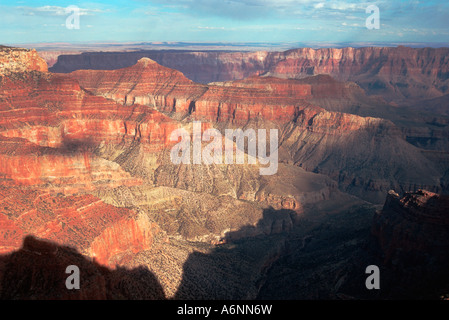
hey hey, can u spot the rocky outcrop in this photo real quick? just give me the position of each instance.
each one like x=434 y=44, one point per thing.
x=410 y=235
x=20 y=60
x=417 y=223
x=144 y=83
x=337 y=144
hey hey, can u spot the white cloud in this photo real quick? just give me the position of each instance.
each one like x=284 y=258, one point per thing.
x=211 y=28
x=56 y=11
x=340 y=5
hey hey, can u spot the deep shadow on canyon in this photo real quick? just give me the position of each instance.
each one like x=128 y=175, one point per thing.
x=322 y=257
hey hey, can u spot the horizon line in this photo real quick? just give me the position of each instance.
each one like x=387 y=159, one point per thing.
x=230 y=45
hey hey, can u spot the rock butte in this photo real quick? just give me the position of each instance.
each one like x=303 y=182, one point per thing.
x=287 y=104
x=271 y=99
x=410 y=223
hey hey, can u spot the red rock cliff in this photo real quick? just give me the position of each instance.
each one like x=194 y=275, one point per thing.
x=110 y=235
x=268 y=98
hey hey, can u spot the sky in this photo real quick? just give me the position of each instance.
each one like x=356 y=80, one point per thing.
x=267 y=21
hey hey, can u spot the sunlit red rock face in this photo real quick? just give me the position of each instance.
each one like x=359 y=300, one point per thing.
x=61 y=125
x=59 y=142
x=144 y=83
x=396 y=73
x=60 y=170
x=267 y=98
x=152 y=84
x=52 y=110
x=109 y=234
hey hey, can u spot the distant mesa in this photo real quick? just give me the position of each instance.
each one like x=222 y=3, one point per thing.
x=396 y=73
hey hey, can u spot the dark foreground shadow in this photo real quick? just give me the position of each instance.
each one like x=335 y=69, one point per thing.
x=324 y=260
x=37 y=271
x=278 y=258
